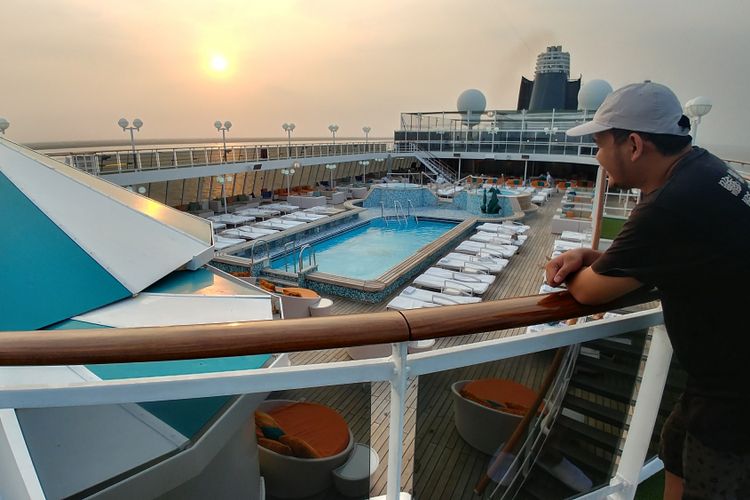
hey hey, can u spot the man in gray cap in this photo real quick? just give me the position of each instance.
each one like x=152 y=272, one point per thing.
x=689 y=237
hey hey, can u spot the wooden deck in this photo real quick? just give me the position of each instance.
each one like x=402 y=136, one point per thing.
x=438 y=464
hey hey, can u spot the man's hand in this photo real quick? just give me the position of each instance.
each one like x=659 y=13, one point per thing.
x=572 y=261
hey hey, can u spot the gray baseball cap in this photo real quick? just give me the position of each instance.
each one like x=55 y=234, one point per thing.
x=640 y=107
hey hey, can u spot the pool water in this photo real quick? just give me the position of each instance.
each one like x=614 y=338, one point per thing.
x=370 y=250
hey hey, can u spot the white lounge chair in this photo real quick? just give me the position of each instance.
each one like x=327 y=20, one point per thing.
x=491 y=249
x=231 y=219
x=511 y=227
x=453 y=282
x=574 y=236
x=221 y=242
x=564 y=246
x=280 y=224
x=498 y=238
x=281 y=207
x=259 y=213
x=437 y=297
x=304 y=216
x=401 y=303
x=462 y=261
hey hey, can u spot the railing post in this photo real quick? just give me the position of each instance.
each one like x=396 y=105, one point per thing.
x=396 y=424
x=644 y=415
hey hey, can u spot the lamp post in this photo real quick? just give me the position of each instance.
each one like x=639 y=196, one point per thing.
x=333 y=128
x=366 y=130
x=364 y=164
x=4 y=124
x=696 y=108
x=550 y=131
x=331 y=167
x=288 y=128
x=222 y=179
x=125 y=125
x=289 y=172
x=223 y=129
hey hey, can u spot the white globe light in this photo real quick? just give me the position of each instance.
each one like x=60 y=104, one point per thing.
x=227 y=124
x=285 y=126
x=142 y=190
x=217 y=124
x=138 y=123
x=292 y=126
x=296 y=164
x=4 y=124
x=366 y=130
x=697 y=107
x=592 y=94
x=122 y=122
x=229 y=178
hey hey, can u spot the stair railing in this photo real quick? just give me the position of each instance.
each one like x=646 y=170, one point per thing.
x=536 y=428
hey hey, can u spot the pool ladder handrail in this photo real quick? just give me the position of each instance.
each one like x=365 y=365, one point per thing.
x=267 y=258
x=409 y=208
x=396 y=207
x=382 y=213
x=289 y=253
x=312 y=259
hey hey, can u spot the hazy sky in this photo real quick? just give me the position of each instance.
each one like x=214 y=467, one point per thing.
x=72 y=68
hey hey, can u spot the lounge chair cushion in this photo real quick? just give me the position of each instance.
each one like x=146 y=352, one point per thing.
x=300 y=448
x=321 y=427
x=263 y=419
x=502 y=395
x=278 y=447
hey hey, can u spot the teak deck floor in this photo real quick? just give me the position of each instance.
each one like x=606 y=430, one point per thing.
x=446 y=466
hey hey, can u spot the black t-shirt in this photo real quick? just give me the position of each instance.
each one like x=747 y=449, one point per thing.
x=691 y=239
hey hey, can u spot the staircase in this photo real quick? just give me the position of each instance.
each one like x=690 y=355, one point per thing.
x=595 y=413
x=431 y=162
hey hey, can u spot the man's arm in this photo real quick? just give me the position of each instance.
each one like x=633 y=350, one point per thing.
x=591 y=289
x=586 y=286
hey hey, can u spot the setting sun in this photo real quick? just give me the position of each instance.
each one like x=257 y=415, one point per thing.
x=219 y=63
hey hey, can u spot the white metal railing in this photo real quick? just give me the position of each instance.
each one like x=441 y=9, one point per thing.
x=525 y=142
x=395 y=370
x=121 y=161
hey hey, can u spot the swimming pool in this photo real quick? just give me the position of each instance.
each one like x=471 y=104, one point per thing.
x=368 y=251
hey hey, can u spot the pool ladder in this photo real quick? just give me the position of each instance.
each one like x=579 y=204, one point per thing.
x=312 y=260
x=298 y=258
x=397 y=206
x=410 y=208
x=267 y=259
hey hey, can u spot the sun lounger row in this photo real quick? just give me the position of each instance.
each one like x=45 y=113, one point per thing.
x=272 y=221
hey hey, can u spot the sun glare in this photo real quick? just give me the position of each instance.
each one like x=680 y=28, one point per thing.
x=219 y=63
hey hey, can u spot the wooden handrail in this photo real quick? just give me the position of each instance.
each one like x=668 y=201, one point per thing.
x=107 y=345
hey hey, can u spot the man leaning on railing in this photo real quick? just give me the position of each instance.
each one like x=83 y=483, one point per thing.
x=690 y=237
